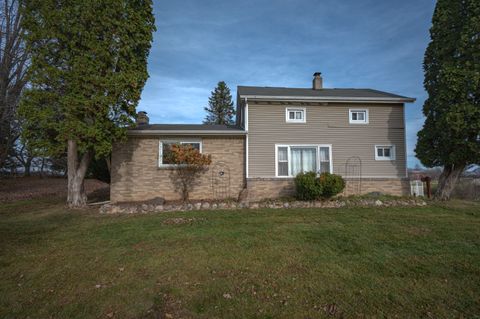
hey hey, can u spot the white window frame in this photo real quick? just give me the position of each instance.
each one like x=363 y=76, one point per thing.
x=357 y=110
x=384 y=158
x=170 y=141
x=277 y=160
x=288 y=146
x=295 y=109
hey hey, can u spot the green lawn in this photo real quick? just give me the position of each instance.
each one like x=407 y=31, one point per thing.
x=310 y=263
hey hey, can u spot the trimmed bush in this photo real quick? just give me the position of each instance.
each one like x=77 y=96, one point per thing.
x=310 y=187
x=307 y=186
x=331 y=184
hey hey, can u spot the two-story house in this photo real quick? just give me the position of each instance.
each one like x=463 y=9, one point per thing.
x=356 y=133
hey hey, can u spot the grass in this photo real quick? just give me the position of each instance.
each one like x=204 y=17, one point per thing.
x=310 y=263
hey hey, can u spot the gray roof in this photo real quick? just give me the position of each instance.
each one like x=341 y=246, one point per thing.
x=336 y=94
x=195 y=127
x=186 y=129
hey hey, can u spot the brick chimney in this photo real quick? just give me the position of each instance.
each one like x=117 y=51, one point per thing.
x=317 y=81
x=142 y=118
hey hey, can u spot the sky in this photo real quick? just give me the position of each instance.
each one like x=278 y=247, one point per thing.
x=354 y=43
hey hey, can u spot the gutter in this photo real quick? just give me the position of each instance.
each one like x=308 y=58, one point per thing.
x=185 y=132
x=331 y=99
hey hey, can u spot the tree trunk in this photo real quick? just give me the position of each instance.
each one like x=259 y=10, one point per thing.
x=41 y=168
x=448 y=180
x=77 y=198
x=27 y=166
x=108 y=159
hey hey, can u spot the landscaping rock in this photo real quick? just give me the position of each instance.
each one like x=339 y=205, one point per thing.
x=147 y=207
x=156 y=201
x=222 y=205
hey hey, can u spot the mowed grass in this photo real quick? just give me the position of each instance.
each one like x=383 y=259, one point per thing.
x=304 y=263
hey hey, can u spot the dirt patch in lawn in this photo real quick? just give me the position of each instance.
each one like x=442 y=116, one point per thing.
x=21 y=188
x=181 y=220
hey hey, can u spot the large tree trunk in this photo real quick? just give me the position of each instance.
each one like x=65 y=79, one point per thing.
x=77 y=198
x=108 y=159
x=448 y=180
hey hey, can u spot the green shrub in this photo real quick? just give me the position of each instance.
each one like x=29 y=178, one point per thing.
x=307 y=186
x=310 y=187
x=331 y=184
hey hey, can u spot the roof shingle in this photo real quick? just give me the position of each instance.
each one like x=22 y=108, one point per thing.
x=187 y=127
x=321 y=93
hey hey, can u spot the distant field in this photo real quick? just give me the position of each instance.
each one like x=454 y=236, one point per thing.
x=310 y=263
x=35 y=187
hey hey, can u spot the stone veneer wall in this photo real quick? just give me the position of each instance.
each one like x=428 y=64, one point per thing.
x=137 y=177
x=263 y=188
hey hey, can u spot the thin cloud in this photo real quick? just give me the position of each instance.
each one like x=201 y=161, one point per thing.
x=367 y=44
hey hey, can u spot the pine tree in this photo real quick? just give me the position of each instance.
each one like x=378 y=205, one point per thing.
x=450 y=136
x=88 y=68
x=220 y=106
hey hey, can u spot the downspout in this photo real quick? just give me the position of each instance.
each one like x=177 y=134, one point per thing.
x=405 y=140
x=246 y=141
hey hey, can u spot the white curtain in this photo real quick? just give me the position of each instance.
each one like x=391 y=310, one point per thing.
x=324 y=159
x=282 y=161
x=303 y=160
x=282 y=154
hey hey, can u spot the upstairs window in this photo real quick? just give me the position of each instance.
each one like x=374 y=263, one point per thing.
x=165 y=149
x=358 y=116
x=295 y=115
x=384 y=152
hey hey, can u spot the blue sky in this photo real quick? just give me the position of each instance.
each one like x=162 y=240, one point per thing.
x=354 y=43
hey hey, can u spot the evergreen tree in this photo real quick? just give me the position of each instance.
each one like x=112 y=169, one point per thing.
x=450 y=136
x=88 y=68
x=220 y=106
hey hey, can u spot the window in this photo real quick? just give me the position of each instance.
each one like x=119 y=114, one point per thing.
x=164 y=158
x=294 y=159
x=358 y=116
x=384 y=152
x=324 y=159
x=282 y=161
x=303 y=159
x=295 y=115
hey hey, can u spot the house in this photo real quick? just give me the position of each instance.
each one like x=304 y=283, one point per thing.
x=356 y=133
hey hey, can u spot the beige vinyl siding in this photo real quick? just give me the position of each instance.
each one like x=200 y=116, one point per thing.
x=328 y=125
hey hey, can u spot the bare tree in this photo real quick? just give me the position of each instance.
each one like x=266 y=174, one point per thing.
x=13 y=66
x=24 y=157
